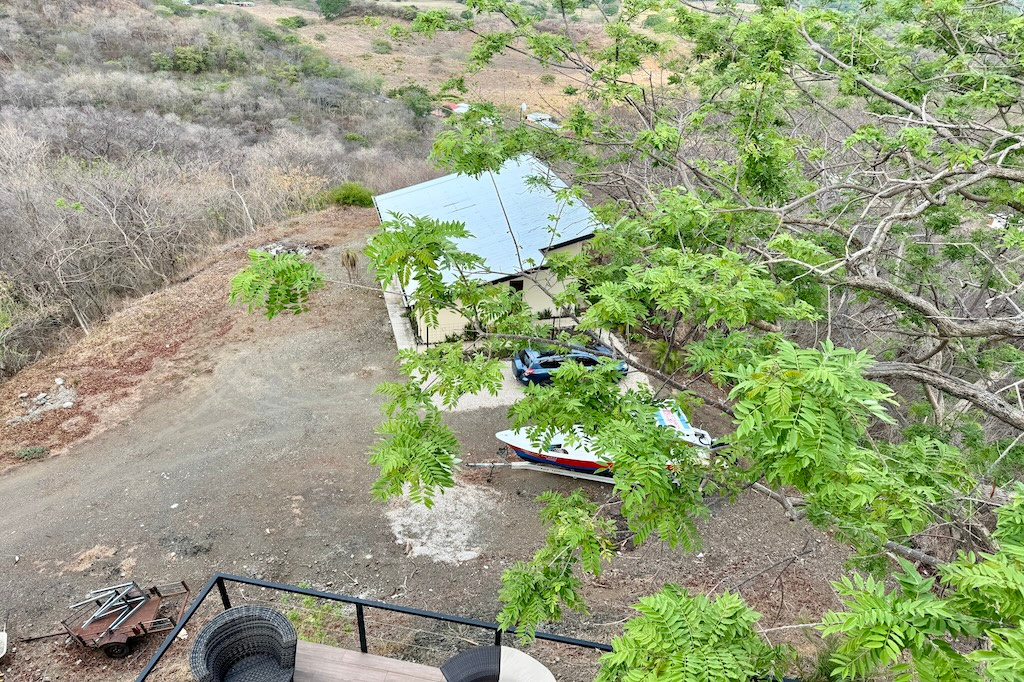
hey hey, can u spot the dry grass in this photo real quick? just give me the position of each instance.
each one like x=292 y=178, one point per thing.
x=509 y=81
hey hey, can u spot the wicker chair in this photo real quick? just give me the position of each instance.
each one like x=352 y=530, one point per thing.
x=245 y=644
x=479 y=664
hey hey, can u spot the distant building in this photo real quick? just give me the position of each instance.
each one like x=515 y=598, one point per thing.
x=511 y=227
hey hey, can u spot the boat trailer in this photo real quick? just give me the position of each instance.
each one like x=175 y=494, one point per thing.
x=542 y=468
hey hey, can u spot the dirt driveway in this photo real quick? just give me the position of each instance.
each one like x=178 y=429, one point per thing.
x=244 y=450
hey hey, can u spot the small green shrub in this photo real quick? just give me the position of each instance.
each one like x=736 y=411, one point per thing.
x=285 y=73
x=161 y=62
x=33 y=452
x=293 y=22
x=380 y=46
x=416 y=99
x=398 y=32
x=188 y=59
x=8 y=305
x=320 y=66
x=332 y=9
x=349 y=194
x=570 y=90
x=357 y=138
x=547 y=78
x=63 y=54
x=656 y=22
x=176 y=8
x=234 y=58
x=319 y=37
x=535 y=10
x=268 y=34
x=466 y=14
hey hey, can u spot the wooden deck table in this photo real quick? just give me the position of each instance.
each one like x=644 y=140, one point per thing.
x=322 y=663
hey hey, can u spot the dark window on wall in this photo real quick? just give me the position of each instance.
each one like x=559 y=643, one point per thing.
x=516 y=284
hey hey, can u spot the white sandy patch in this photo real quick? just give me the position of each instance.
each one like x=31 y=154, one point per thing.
x=446 y=532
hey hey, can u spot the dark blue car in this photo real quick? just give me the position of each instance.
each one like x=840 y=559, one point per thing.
x=535 y=366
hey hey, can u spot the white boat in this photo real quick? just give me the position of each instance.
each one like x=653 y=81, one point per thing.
x=576 y=454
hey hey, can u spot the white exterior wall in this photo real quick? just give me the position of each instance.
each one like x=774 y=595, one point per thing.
x=451 y=323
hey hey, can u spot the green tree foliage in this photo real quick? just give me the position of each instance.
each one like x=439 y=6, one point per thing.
x=416 y=98
x=332 y=9
x=275 y=284
x=293 y=22
x=188 y=59
x=161 y=62
x=818 y=211
x=416 y=453
x=173 y=7
x=680 y=636
x=535 y=591
x=882 y=626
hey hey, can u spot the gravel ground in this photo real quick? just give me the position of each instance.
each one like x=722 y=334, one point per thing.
x=243 y=449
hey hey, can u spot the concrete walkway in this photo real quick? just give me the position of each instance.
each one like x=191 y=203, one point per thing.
x=401 y=325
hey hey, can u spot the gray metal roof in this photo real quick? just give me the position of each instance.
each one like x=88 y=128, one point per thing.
x=501 y=211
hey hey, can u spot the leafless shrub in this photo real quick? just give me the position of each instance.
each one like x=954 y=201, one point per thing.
x=115 y=176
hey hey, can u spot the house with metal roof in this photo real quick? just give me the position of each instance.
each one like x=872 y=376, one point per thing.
x=514 y=222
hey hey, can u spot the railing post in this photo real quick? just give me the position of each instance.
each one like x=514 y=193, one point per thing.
x=497 y=638
x=223 y=594
x=361 y=625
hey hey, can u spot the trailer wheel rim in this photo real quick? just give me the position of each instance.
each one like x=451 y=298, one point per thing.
x=116 y=649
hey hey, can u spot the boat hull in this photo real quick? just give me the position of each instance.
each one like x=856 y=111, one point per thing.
x=561 y=461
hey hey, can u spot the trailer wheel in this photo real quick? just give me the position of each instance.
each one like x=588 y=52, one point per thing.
x=116 y=649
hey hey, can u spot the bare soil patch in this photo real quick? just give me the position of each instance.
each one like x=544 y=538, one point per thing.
x=86 y=560
x=446 y=531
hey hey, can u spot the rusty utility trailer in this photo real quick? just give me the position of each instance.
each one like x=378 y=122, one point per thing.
x=109 y=618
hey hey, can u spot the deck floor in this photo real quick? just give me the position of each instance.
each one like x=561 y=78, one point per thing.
x=322 y=663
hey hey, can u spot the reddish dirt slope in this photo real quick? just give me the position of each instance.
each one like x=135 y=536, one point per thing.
x=154 y=342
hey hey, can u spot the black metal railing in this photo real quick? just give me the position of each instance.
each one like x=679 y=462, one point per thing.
x=220 y=581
